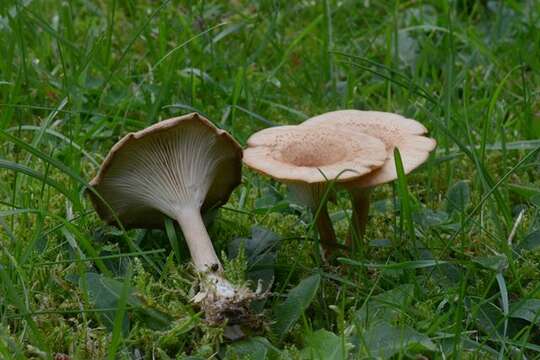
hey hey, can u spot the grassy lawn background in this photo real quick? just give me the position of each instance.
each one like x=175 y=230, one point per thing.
x=452 y=265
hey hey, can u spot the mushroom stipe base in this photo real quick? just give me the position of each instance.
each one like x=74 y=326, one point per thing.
x=223 y=302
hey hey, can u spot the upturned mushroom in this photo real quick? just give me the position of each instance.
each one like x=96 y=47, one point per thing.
x=176 y=168
x=395 y=131
x=308 y=158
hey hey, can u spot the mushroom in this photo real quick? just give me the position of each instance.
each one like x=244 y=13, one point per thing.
x=308 y=158
x=175 y=168
x=395 y=131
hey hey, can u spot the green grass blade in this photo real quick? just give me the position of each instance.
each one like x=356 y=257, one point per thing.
x=5 y=164
x=116 y=337
x=173 y=239
x=405 y=200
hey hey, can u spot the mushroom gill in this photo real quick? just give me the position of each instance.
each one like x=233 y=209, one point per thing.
x=174 y=169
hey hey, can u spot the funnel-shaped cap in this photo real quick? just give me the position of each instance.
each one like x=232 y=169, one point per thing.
x=183 y=162
x=394 y=130
x=296 y=154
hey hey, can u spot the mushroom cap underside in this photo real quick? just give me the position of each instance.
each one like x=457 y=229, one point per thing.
x=150 y=174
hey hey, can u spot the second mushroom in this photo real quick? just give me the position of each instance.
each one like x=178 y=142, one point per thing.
x=352 y=147
x=395 y=131
x=308 y=159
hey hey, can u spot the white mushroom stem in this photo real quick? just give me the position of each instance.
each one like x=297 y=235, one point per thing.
x=219 y=299
x=360 y=211
x=200 y=246
x=213 y=285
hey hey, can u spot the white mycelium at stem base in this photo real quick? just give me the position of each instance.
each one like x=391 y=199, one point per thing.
x=175 y=169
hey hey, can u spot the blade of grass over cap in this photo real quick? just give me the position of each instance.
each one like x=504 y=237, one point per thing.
x=406 y=220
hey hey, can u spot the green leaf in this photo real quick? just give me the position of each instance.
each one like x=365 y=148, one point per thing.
x=448 y=347
x=385 y=340
x=288 y=312
x=436 y=219
x=531 y=241
x=270 y=201
x=528 y=309
x=261 y=252
x=261 y=241
x=386 y=306
x=154 y=319
x=325 y=345
x=256 y=348
x=106 y=293
x=458 y=197
x=496 y=263
x=490 y=320
x=535 y=200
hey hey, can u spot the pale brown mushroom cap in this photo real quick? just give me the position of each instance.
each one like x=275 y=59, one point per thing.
x=393 y=129
x=183 y=161
x=297 y=154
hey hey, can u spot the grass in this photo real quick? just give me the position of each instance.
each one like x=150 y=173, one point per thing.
x=457 y=276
